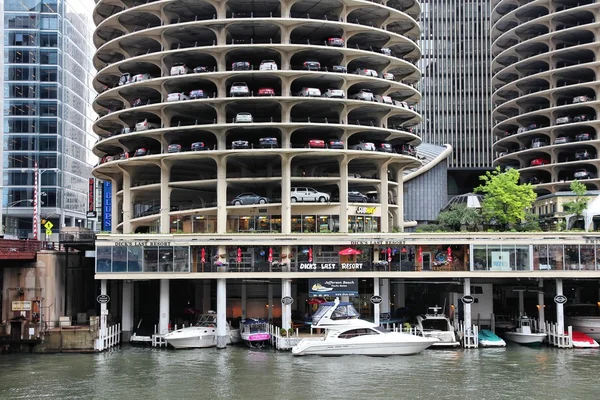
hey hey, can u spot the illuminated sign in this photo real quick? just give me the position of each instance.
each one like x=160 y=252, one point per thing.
x=366 y=210
x=91 y=197
x=107 y=206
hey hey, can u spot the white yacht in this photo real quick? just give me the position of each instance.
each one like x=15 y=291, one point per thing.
x=202 y=334
x=346 y=334
x=436 y=325
x=584 y=318
x=523 y=334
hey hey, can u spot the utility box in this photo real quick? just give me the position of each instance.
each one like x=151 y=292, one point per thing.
x=81 y=318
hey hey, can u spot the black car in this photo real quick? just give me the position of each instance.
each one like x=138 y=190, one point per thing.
x=312 y=65
x=240 y=144
x=384 y=147
x=248 y=198
x=176 y=148
x=199 y=146
x=583 y=137
x=357 y=197
x=142 y=151
x=268 y=142
x=201 y=69
x=240 y=66
x=583 y=154
x=583 y=118
x=335 y=144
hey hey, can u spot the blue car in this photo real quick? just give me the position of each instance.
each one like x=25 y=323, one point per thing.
x=268 y=142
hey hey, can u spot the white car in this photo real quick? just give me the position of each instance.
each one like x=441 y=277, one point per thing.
x=179 y=69
x=364 y=94
x=243 y=117
x=140 y=78
x=310 y=92
x=239 y=89
x=563 y=120
x=268 y=65
x=367 y=146
x=146 y=125
x=177 y=96
x=388 y=76
x=308 y=194
x=334 y=94
x=387 y=100
x=366 y=72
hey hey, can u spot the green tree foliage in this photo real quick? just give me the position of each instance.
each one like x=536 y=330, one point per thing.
x=505 y=200
x=580 y=203
x=459 y=215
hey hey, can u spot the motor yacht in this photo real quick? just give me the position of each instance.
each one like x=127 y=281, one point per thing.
x=523 y=334
x=255 y=332
x=346 y=334
x=202 y=334
x=436 y=325
x=584 y=318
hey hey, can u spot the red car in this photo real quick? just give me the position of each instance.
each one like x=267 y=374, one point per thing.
x=266 y=92
x=316 y=144
x=337 y=42
x=539 y=161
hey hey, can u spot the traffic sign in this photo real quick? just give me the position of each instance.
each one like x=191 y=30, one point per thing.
x=287 y=301
x=48 y=232
x=103 y=298
x=91 y=214
x=48 y=225
x=467 y=299
x=560 y=299
x=376 y=299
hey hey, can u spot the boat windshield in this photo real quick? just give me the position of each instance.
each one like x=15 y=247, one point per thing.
x=258 y=327
x=343 y=311
x=206 y=320
x=435 y=324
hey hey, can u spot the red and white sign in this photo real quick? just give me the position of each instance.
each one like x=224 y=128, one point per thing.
x=91 y=195
x=389 y=254
x=270 y=259
x=310 y=256
x=203 y=255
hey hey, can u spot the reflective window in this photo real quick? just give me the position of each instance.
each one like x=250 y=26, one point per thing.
x=22 y=5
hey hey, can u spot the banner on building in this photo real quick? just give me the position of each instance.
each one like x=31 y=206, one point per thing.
x=107 y=206
x=91 y=195
x=333 y=287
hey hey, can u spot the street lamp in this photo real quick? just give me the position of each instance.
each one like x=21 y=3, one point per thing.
x=12 y=203
x=37 y=203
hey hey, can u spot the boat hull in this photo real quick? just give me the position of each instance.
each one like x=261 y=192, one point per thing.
x=583 y=341
x=589 y=326
x=488 y=338
x=526 y=339
x=192 y=342
x=256 y=339
x=402 y=346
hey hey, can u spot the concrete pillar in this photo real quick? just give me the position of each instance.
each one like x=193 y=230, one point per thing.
x=165 y=200
x=206 y=296
x=560 y=312
x=270 y=302
x=221 y=195
x=399 y=295
x=221 y=313
x=400 y=199
x=286 y=203
x=286 y=309
x=103 y=308
x=521 y=304
x=163 y=316
x=127 y=310
x=384 y=198
x=384 y=292
x=244 y=298
x=541 y=311
x=467 y=307
x=376 y=307
x=126 y=202
x=344 y=194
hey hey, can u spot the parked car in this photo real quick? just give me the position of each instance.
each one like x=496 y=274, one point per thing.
x=176 y=148
x=388 y=76
x=562 y=140
x=310 y=92
x=199 y=146
x=539 y=142
x=532 y=126
x=539 y=161
x=142 y=151
x=312 y=65
x=146 y=125
x=125 y=156
x=240 y=66
x=125 y=130
x=240 y=144
x=583 y=154
x=137 y=103
x=197 y=94
x=368 y=146
x=583 y=118
x=243 y=117
x=522 y=129
x=334 y=93
x=339 y=68
x=385 y=147
x=584 y=174
x=563 y=120
x=248 y=198
x=335 y=144
x=582 y=99
x=386 y=51
x=366 y=72
x=364 y=94
x=583 y=137
x=140 y=77
x=268 y=142
x=266 y=92
x=239 y=89
x=106 y=159
x=177 y=96
x=300 y=194
x=316 y=144
x=124 y=79
x=201 y=69
x=357 y=197
x=335 y=41
x=268 y=65
x=385 y=99
x=179 y=69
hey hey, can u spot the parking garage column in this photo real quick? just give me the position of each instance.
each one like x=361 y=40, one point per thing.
x=163 y=317
x=286 y=202
x=221 y=313
x=221 y=114
x=126 y=202
x=103 y=308
x=344 y=194
x=376 y=307
x=560 y=313
x=244 y=299
x=466 y=305
x=221 y=195
x=286 y=309
x=270 y=302
x=400 y=199
x=127 y=310
x=165 y=199
x=384 y=292
x=384 y=197
x=541 y=305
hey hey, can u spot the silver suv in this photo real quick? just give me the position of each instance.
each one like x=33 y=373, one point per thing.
x=299 y=194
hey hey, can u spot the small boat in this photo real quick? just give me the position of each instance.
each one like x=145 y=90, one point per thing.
x=436 y=325
x=583 y=341
x=202 y=334
x=345 y=334
x=255 y=332
x=523 y=334
x=142 y=335
x=488 y=338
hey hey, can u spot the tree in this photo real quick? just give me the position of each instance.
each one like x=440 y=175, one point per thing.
x=580 y=203
x=459 y=215
x=505 y=200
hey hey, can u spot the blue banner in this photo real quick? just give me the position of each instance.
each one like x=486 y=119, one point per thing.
x=107 y=206
x=333 y=287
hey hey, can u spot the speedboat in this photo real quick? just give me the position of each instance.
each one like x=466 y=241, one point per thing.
x=584 y=318
x=202 y=334
x=346 y=334
x=582 y=341
x=488 y=338
x=523 y=334
x=255 y=332
x=436 y=325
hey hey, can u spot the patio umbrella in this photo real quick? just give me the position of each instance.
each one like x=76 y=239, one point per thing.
x=316 y=300
x=349 y=252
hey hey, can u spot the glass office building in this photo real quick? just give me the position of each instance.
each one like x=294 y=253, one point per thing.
x=47 y=116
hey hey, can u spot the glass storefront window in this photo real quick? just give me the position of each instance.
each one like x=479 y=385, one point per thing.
x=480 y=257
x=262 y=223
x=571 y=257
x=150 y=258
x=555 y=256
x=181 y=259
x=103 y=259
x=296 y=223
x=588 y=257
x=135 y=258
x=119 y=259
x=165 y=259
x=540 y=257
x=521 y=258
x=308 y=224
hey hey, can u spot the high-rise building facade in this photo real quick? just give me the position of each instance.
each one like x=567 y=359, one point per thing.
x=456 y=89
x=47 y=115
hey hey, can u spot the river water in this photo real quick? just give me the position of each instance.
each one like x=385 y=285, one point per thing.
x=239 y=373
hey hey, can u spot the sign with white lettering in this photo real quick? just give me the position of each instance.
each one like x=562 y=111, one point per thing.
x=366 y=210
x=333 y=287
x=375 y=299
x=103 y=298
x=142 y=243
x=21 y=305
x=358 y=266
x=560 y=299
x=287 y=301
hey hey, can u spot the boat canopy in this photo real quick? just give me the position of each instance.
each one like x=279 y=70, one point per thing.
x=252 y=321
x=344 y=310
